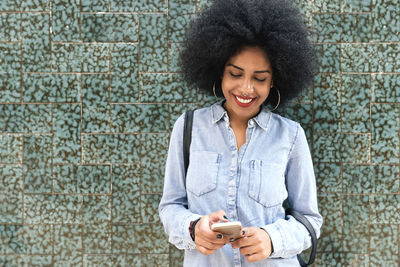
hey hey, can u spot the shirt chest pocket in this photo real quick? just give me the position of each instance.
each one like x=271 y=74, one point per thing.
x=202 y=172
x=266 y=183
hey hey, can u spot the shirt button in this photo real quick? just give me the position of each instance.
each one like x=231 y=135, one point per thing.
x=251 y=123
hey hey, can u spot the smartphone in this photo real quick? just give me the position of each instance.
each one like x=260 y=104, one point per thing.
x=231 y=229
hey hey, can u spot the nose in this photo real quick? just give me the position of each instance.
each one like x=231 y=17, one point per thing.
x=247 y=87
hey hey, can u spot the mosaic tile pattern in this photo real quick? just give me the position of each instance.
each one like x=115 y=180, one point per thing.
x=90 y=91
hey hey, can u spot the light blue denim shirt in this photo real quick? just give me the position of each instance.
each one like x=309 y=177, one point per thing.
x=250 y=184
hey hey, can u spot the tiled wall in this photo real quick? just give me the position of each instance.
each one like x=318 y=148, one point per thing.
x=89 y=91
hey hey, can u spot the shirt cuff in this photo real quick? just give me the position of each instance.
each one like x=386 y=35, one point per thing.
x=276 y=240
x=185 y=231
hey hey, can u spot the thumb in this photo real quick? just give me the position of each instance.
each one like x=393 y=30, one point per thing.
x=218 y=216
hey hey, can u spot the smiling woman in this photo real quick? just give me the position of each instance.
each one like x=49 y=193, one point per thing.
x=244 y=159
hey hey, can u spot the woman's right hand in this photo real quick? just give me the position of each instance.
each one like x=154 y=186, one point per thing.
x=207 y=241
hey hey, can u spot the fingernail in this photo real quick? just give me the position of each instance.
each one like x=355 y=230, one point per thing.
x=243 y=232
x=225 y=217
x=219 y=236
x=231 y=240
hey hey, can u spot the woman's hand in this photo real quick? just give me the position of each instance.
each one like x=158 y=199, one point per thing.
x=208 y=241
x=255 y=244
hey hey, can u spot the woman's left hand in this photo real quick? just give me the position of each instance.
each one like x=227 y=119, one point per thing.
x=255 y=244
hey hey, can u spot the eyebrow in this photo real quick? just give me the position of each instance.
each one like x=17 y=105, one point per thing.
x=257 y=71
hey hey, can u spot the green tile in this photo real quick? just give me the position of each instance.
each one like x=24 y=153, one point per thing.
x=109 y=27
x=110 y=148
x=153 y=43
x=384 y=133
x=124 y=73
x=11 y=179
x=10 y=29
x=328 y=57
x=142 y=6
x=153 y=157
x=140 y=117
x=328 y=178
x=65 y=20
x=36 y=47
x=139 y=238
x=53 y=209
x=173 y=55
x=38 y=164
x=10 y=59
x=96 y=209
x=127 y=260
x=385 y=209
x=355 y=6
x=176 y=7
x=25 y=239
x=327 y=28
x=51 y=88
x=11 y=149
x=359 y=51
x=11 y=207
x=331 y=234
x=68 y=245
x=26 y=260
x=176 y=110
x=326 y=6
x=385 y=88
x=384 y=249
x=370 y=179
x=327 y=103
x=175 y=255
x=150 y=208
x=82 y=179
x=80 y=57
x=205 y=99
x=126 y=194
x=11 y=87
x=306 y=9
x=385 y=57
x=67 y=133
x=97 y=238
x=96 y=103
x=162 y=87
x=25 y=118
x=356 y=28
x=332 y=148
x=342 y=259
x=36 y=5
x=385 y=23
x=10 y=5
x=178 y=25
x=95 y=5
x=355 y=224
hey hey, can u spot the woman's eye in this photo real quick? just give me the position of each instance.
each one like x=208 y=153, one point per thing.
x=235 y=75
x=260 y=79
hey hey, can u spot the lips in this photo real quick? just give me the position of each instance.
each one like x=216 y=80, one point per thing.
x=244 y=101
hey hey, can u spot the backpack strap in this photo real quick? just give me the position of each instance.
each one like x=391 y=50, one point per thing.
x=304 y=221
x=187 y=137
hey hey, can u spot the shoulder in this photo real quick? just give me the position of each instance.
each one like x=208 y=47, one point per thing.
x=285 y=124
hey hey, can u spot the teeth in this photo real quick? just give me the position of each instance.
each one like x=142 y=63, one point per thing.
x=244 y=101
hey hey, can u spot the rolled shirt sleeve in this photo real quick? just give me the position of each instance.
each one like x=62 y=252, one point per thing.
x=288 y=236
x=173 y=210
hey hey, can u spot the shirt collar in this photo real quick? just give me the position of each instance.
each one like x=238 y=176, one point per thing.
x=262 y=118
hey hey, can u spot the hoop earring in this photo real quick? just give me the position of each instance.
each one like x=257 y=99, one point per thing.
x=279 y=99
x=214 y=91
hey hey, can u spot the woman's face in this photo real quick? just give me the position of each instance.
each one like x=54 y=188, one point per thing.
x=246 y=82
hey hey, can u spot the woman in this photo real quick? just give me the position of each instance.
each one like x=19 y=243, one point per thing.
x=244 y=159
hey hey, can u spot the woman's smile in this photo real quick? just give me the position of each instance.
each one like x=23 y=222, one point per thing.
x=244 y=101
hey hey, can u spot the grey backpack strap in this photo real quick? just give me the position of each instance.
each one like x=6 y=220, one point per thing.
x=187 y=137
x=304 y=221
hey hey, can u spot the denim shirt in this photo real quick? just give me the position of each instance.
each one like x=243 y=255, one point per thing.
x=250 y=184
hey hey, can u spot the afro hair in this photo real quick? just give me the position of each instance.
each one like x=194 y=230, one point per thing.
x=224 y=28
